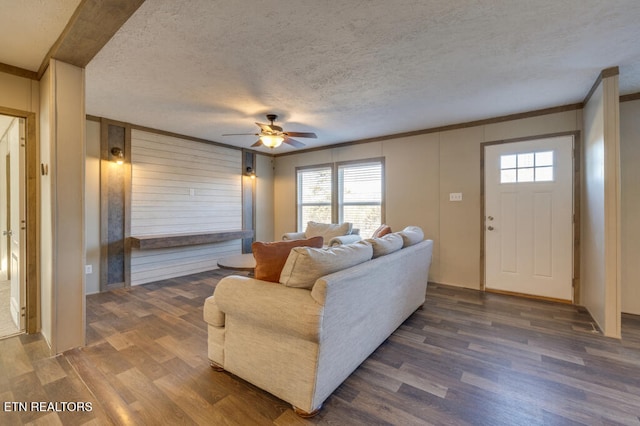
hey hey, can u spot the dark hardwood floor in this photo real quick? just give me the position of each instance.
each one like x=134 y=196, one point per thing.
x=465 y=358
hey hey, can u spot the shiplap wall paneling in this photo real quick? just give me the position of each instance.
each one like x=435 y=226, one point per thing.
x=181 y=186
x=160 y=264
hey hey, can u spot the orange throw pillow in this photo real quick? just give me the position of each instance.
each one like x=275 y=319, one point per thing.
x=381 y=231
x=271 y=257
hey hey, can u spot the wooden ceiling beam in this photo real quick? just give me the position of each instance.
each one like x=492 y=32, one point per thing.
x=91 y=26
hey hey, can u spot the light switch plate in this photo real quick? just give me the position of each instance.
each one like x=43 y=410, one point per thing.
x=455 y=196
x=88 y=269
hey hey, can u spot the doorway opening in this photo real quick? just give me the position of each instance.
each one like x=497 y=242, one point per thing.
x=12 y=226
x=19 y=223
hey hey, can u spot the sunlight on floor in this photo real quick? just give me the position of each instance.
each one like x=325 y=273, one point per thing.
x=7 y=327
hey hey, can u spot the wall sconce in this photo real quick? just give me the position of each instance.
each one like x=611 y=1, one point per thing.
x=118 y=155
x=250 y=172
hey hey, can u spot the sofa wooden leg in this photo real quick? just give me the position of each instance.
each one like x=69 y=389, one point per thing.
x=305 y=414
x=215 y=366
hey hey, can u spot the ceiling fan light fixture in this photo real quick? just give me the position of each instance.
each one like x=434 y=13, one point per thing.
x=271 y=141
x=273 y=136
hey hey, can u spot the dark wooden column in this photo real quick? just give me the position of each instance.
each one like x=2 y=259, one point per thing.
x=115 y=182
x=248 y=198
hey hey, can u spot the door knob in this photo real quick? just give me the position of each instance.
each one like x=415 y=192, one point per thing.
x=490 y=217
x=490 y=228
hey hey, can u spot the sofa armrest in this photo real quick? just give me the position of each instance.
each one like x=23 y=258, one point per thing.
x=293 y=236
x=344 y=239
x=211 y=314
x=269 y=305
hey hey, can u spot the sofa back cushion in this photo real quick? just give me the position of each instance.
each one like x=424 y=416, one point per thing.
x=411 y=235
x=327 y=230
x=305 y=264
x=381 y=231
x=386 y=244
x=271 y=257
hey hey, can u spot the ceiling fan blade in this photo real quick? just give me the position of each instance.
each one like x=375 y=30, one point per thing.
x=239 y=134
x=266 y=127
x=258 y=143
x=302 y=134
x=293 y=142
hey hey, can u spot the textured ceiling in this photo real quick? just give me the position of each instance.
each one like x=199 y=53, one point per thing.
x=356 y=69
x=28 y=29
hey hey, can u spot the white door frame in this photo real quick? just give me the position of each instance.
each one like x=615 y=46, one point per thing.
x=32 y=240
x=576 y=207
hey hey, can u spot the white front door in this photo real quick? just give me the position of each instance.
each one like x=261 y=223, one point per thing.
x=529 y=217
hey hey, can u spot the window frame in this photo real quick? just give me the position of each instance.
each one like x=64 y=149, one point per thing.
x=336 y=191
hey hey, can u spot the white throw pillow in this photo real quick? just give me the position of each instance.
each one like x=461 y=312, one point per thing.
x=411 y=235
x=327 y=230
x=386 y=244
x=306 y=264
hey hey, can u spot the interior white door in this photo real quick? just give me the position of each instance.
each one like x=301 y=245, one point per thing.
x=17 y=231
x=529 y=217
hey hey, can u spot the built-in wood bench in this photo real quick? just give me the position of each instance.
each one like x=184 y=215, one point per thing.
x=149 y=242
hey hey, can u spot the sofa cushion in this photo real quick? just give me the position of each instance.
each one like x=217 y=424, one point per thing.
x=381 y=231
x=327 y=230
x=386 y=244
x=344 y=239
x=270 y=257
x=305 y=264
x=411 y=235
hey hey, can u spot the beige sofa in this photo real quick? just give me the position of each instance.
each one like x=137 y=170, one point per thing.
x=300 y=344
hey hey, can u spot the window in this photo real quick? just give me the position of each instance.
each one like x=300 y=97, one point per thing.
x=314 y=195
x=527 y=167
x=342 y=192
x=360 y=195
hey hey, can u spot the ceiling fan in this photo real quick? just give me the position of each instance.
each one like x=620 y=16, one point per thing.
x=273 y=136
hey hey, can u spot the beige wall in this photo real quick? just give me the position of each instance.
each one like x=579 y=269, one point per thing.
x=592 y=211
x=19 y=93
x=46 y=232
x=421 y=171
x=600 y=245
x=92 y=205
x=612 y=198
x=630 y=205
x=264 y=198
x=62 y=193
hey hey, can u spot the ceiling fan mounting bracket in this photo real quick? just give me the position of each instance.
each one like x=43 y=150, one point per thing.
x=272 y=117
